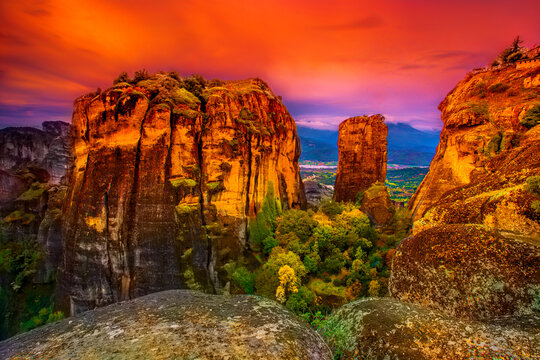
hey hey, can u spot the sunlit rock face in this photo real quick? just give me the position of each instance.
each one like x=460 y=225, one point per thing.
x=362 y=155
x=176 y=324
x=164 y=181
x=482 y=141
x=385 y=328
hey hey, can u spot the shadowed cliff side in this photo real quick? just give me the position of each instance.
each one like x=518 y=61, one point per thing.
x=167 y=171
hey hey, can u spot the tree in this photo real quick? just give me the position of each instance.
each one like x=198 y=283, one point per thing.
x=297 y=222
x=288 y=283
x=244 y=279
x=268 y=244
x=122 y=77
x=374 y=288
x=299 y=301
x=141 y=75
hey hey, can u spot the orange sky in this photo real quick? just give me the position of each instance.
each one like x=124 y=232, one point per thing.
x=328 y=61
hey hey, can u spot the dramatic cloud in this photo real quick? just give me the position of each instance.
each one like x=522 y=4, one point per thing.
x=328 y=60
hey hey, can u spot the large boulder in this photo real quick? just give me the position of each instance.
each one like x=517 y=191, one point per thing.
x=384 y=328
x=467 y=271
x=377 y=205
x=176 y=324
x=316 y=193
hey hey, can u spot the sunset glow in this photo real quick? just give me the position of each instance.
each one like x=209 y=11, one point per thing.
x=329 y=61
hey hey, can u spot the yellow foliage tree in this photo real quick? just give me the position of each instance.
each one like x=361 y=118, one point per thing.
x=287 y=283
x=374 y=288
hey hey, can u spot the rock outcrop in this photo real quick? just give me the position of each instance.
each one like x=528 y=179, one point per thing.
x=483 y=142
x=376 y=204
x=176 y=324
x=362 y=155
x=21 y=147
x=316 y=193
x=384 y=328
x=467 y=271
x=164 y=182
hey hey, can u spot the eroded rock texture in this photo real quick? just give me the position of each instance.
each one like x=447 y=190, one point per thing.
x=484 y=152
x=177 y=324
x=316 y=193
x=362 y=155
x=385 y=328
x=164 y=182
x=467 y=271
x=21 y=147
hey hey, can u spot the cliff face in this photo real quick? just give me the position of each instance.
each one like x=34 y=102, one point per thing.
x=48 y=149
x=164 y=182
x=362 y=156
x=481 y=118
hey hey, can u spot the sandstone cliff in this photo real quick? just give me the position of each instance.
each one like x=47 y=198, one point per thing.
x=362 y=156
x=166 y=173
x=482 y=139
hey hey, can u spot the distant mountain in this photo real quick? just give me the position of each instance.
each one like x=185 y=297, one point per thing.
x=406 y=145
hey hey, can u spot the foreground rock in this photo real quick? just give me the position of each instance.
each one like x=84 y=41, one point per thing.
x=175 y=324
x=362 y=156
x=167 y=172
x=467 y=271
x=385 y=328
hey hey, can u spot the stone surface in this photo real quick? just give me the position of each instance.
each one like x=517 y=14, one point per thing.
x=481 y=122
x=377 y=205
x=316 y=193
x=175 y=324
x=384 y=328
x=48 y=149
x=164 y=182
x=362 y=155
x=467 y=271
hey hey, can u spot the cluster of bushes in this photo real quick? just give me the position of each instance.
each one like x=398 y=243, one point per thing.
x=510 y=54
x=314 y=260
x=532 y=117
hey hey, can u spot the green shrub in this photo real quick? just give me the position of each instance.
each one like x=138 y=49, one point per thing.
x=300 y=301
x=494 y=144
x=244 y=279
x=268 y=244
x=359 y=198
x=44 y=316
x=532 y=117
x=141 y=75
x=183 y=182
x=498 y=88
x=331 y=208
x=297 y=222
x=532 y=184
x=535 y=205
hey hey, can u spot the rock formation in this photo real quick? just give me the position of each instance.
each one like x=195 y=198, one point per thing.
x=316 y=193
x=164 y=182
x=385 y=328
x=175 y=324
x=481 y=132
x=48 y=149
x=362 y=155
x=376 y=204
x=468 y=272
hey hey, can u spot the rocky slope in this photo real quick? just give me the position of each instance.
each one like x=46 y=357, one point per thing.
x=167 y=172
x=482 y=140
x=362 y=156
x=175 y=324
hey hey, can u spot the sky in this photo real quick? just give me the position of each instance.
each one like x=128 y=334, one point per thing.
x=329 y=60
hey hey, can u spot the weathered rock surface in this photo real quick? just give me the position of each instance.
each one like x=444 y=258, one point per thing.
x=362 y=155
x=21 y=147
x=481 y=142
x=467 y=271
x=384 y=328
x=175 y=324
x=164 y=182
x=316 y=193
x=377 y=205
